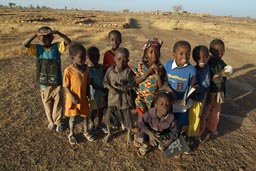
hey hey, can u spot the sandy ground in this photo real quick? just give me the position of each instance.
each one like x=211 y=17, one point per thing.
x=26 y=144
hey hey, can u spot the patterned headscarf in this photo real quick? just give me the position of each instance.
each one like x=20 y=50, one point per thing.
x=151 y=42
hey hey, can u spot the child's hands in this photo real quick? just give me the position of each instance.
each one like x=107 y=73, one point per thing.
x=153 y=68
x=44 y=32
x=55 y=32
x=153 y=140
x=74 y=100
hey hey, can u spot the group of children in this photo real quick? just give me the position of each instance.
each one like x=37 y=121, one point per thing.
x=168 y=98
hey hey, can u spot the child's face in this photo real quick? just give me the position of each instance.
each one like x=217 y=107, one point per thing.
x=162 y=105
x=152 y=54
x=218 y=50
x=203 y=58
x=46 y=39
x=114 y=41
x=121 y=60
x=182 y=55
x=79 y=58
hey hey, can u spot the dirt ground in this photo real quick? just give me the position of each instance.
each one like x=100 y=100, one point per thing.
x=27 y=144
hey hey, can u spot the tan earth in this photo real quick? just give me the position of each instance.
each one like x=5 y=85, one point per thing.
x=27 y=144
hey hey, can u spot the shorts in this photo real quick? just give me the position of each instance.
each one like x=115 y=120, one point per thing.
x=98 y=103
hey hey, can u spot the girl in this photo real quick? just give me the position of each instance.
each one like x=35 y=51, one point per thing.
x=201 y=56
x=149 y=77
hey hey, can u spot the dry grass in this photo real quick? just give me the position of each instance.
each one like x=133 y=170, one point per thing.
x=25 y=142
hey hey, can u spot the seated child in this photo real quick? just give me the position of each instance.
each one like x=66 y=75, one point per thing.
x=119 y=80
x=158 y=126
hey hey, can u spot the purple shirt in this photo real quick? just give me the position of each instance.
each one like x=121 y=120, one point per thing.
x=151 y=122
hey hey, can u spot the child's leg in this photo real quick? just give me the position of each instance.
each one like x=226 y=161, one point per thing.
x=204 y=117
x=108 y=117
x=71 y=136
x=57 y=112
x=87 y=135
x=214 y=117
x=92 y=118
x=100 y=116
x=71 y=125
x=193 y=127
x=48 y=103
x=108 y=136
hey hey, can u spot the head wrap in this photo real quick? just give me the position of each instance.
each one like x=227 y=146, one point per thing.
x=152 y=42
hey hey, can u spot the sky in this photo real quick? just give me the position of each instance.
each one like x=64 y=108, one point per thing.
x=235 y=8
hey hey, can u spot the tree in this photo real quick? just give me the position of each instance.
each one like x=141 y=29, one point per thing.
x=11 y=4
x=177 y=9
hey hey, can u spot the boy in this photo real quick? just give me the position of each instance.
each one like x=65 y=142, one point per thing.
x=181 y=76
x=115 y=39
x=98 y=100
x=119 y=80
x=76 y=81
x=219 y=73
x=157 y=125
x=49 y=74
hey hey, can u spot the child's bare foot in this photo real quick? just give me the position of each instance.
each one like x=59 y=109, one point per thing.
x=107 y=138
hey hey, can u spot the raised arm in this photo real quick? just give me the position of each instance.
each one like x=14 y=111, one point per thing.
x=28 y=41
x=66 y=39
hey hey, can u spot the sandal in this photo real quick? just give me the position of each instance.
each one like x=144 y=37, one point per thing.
x=143 y=150
x=72 y=139
x=89 y=137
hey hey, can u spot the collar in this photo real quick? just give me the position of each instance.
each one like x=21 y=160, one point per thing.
x=174 y=65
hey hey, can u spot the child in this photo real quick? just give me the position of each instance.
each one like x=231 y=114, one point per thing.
x=149 y=77
x=219 y=73
x=98 y=102
x=119 y=80
x=157 y=125
x=49 y=75
x=181 y=77
x=115 y=39
x=76 y=80
x=201 y=56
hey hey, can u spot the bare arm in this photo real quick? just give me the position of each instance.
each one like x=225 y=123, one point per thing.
x=66 y=39
x=28 y=41
x=74 y=100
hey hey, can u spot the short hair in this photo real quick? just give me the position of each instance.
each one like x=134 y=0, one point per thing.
x=181 y=43
x=196 y=52
x=214 y=43
x=44 y=28
x=93 y=52
x=115 y=32
x=164 y=94
x=75 y=48
x=122 y=50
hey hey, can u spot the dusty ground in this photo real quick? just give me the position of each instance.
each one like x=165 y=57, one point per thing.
x=26 y=144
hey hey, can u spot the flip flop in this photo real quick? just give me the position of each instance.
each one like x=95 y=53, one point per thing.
x=89 y=137
x=72 y=139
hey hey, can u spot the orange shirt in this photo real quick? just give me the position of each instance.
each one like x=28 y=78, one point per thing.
x=108 y=59
x=77 y=81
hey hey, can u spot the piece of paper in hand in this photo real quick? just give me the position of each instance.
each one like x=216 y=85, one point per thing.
x=191 y=90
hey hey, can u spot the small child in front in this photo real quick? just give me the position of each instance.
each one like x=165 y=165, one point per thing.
x=158 y=126
x=98 y=101
x=49 y=74
x=201 y=56
x=119 y=80
x=115 y=39
x=76 y=80
x=219 y=73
